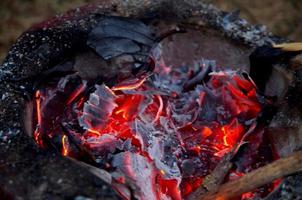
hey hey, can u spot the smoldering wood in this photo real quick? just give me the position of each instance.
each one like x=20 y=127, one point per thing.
x=261 y=176
x=213 y=181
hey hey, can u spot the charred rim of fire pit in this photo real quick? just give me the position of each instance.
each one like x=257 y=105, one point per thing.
x=184 y=48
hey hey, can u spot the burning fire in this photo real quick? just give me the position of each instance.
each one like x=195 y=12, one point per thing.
x=149 y=133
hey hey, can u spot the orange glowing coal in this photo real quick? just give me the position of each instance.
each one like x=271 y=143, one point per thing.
x=152 y=135
x=64 y=145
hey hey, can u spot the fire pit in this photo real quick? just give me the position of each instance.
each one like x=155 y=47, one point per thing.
x=149 y=101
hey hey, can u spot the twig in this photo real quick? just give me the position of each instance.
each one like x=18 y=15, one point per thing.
x=212 y=181
x=278 y=169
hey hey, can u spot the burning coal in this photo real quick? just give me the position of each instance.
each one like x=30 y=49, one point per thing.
x=160 y=135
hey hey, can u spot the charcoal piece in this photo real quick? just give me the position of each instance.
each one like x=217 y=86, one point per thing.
x=139 y=173
x=113 y=47
x=200 y=76
x=98 y=108
x=262 y=61
x=162 y=153
x=143 y=132
x=103 y=145
x=113 y=31
x=132 y=24
x=116 y=36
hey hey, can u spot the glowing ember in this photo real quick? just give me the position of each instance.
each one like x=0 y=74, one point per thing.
x=39 y=119
x=129 y=86
x=64 y=145
x=156 y=139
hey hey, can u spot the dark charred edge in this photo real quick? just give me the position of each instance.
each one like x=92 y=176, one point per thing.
x=44 y=46
x=200 y=13
x=262 y=60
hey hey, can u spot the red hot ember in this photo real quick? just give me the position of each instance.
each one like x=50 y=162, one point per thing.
x=158 y=136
